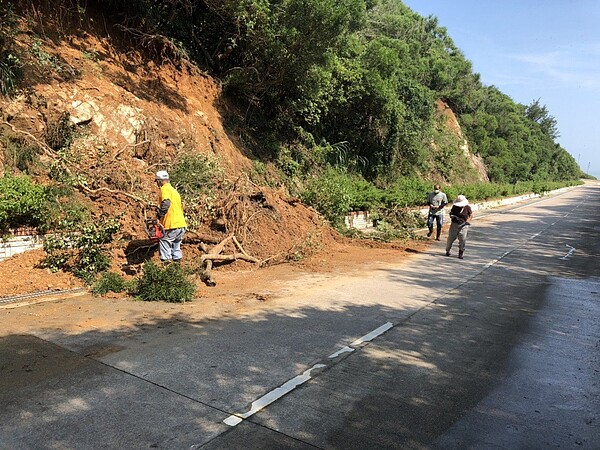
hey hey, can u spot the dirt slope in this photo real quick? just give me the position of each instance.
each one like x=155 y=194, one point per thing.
x=134 y=117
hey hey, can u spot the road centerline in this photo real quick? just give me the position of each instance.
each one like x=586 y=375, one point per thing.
x=298 y=380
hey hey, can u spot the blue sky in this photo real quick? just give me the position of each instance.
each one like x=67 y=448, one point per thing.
x=535 y=49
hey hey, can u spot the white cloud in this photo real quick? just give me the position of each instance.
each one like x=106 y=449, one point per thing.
x=575 y=67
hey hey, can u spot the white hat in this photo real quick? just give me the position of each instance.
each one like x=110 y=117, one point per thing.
x=162 y=175
x=461 y=200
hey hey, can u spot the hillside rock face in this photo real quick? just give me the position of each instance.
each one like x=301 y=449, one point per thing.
x=452 y=125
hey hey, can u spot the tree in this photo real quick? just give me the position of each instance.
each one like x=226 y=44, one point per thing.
x=539 y=114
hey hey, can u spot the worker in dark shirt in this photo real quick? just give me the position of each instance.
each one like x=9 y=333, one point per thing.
x=460 y=215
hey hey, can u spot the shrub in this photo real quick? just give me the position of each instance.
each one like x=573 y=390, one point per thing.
x=404 y=218
x=330 y=194
x=169 y=284
x=61 y=133
x=18 y=153
x=196 y=177
x=10 y=73
x=408 y=192
x=336 y=192
x=80 y=249
x=10 y=64
x=112 y=282
x=22 y=202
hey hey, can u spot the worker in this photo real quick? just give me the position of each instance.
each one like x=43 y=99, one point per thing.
x=170 y=215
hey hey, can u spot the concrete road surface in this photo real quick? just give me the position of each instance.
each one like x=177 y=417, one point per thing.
x=500 y=350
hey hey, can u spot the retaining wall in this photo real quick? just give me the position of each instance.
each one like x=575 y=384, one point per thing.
x=357 y=219
x=361 y=219
x=20 y=244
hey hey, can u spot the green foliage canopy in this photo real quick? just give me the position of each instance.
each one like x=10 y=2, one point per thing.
x=366 y=73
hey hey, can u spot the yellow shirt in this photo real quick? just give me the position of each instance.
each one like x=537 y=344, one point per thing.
x=174 y=217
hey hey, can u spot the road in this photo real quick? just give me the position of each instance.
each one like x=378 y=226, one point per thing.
x=496 y=351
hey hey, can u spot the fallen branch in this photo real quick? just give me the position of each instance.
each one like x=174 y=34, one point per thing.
x=42 y=145
x=192 y=237
x=239 y=246
x=112 y=191
x=206 y=275
x=232 y=257
x=214 y=254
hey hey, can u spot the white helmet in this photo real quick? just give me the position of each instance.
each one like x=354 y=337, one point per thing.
x=162 y=175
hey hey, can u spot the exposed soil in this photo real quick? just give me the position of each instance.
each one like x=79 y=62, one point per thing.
x=25 y=274
x=245 y=291
x=134 y=117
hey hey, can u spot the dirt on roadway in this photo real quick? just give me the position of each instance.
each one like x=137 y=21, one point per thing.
x=235 y=292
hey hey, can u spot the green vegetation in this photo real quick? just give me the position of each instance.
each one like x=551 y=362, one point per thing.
x=112 y=282
x=343 y=92
x=157 y=283
x=10 y=64
x=196 y=177
x=334 y=193
x=80 y=248
x=25 y=203
x=341 y=96
x=169 y=284
x=22 y=203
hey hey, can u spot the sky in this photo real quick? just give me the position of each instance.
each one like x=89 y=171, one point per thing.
x=535 y=49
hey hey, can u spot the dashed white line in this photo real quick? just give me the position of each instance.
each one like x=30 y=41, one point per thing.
x=569 y=253
x=373 y=334
x=292 y=384
x=270 y=397
x=341 y=351
x=494 y=261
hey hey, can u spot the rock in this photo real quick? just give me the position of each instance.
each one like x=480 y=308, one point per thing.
x=83 y=112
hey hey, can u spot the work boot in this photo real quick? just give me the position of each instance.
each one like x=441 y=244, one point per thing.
x=460 y=254
x=430 y=231
x=437 y=235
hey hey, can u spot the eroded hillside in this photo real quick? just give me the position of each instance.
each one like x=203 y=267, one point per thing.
x=104 y=121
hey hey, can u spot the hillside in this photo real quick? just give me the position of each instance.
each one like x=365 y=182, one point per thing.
x=126 y=117
x=273 y=122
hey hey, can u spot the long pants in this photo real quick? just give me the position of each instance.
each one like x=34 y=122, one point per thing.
x=438 y=218
x=460 y=232
x=169 y=246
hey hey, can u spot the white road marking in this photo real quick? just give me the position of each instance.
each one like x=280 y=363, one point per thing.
x=341 y=351
x=569 y=254
x=270 y=397
x=292 y=384
x=373 y=334
x=494 y=261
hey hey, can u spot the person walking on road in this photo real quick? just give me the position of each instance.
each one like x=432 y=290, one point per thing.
x=170 y=215
x=436 y=201
x=460 y=215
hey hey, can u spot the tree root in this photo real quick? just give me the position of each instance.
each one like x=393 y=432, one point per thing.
x=214 y=254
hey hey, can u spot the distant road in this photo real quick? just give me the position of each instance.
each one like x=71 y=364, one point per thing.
x=500 y=350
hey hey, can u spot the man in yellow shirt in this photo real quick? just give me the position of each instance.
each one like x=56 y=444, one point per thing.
x=170 y=215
